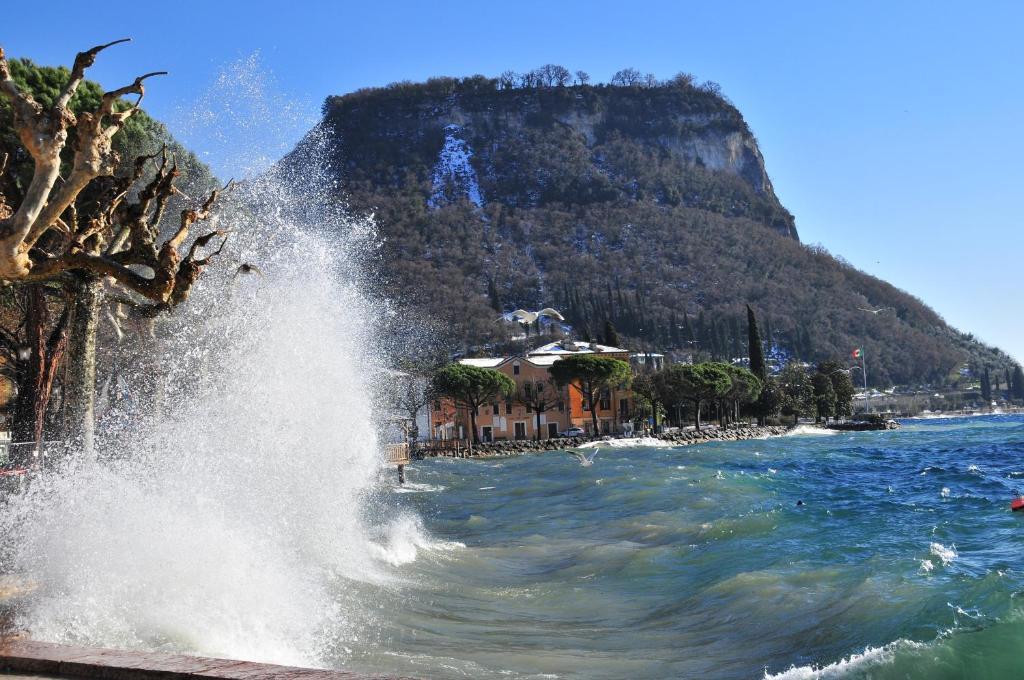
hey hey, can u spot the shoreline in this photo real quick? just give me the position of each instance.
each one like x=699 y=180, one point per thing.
x=679 y=438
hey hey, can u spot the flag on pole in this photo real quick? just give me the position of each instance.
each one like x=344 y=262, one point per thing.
x=857 y=353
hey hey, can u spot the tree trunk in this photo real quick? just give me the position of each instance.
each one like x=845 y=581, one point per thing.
x=696 y=417
x=472 y=423
x=538 y=424
x=593 y=410
x=37 y=373
x=80 y=376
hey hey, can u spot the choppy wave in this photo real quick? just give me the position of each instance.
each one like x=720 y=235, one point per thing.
x=810 y=430
x=628 y=443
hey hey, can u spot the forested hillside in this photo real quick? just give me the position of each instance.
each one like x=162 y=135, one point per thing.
x=641 y=202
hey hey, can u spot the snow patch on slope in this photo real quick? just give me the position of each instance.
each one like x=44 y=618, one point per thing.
x=454 y=170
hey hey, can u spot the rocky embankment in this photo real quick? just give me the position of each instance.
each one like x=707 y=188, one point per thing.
x=680 y=438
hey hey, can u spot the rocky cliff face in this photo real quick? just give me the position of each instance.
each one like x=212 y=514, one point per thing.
x=678 y=146
x=646 y=207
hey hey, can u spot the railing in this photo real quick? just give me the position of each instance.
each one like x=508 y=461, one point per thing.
x=397 y=454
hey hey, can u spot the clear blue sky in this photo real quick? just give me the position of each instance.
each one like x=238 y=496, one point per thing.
x=893 y=131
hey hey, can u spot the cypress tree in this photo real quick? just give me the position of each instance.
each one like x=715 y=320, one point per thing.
x=492 y=293
x=688 y=335
x=986 y=387
x=1018 y=383
x=611 y=336
x=1009 y=384
x=755 y=350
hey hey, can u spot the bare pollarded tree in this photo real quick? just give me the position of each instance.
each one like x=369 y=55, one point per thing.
x=81 y=224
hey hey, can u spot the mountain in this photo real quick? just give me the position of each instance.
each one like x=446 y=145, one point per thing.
x=642 y=203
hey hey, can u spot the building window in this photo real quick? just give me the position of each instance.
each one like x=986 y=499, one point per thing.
x=606 y=402
x=495 y=409
x=520 y=431
x=515 y=369
x=508 y=407
x=623 y=406
x=552 y=430
x=561 y=406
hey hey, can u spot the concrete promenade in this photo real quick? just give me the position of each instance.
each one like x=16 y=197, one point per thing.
x=27 y=658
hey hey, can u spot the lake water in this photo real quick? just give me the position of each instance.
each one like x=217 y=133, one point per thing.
x=902 y=562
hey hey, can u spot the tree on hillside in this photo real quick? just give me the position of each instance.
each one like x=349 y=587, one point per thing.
x=470 y=387
x=986 y=387
x=611 y=336
x=582 y=77
x=842 y=386
x=796 y=393
x=627 y=77
x=538 y=397
x=824 y=396
x=590 y=375
x=755 y=353
x=1017 y=388
x=80 y=222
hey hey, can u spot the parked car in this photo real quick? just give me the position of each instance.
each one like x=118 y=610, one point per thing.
x=572 y=432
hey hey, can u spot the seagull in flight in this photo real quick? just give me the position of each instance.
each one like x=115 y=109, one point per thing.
x=581 y=456
x=874 y=311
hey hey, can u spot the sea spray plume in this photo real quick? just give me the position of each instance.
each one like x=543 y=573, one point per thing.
x=223 y=514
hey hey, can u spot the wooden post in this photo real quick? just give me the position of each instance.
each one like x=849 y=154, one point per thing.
x=401 y=474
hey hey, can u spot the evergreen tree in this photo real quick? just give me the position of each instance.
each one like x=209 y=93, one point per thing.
x=611 y=336
x=688 y=335
x=492 y=294
x=986 y=387
x=755 y=350
x=1009 y=384
x=824 y=396
x=1018 y=383
x=471 y=387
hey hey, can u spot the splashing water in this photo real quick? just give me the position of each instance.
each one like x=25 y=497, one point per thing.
x=229 y=521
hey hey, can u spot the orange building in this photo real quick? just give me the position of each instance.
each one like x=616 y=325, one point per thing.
x=509 y=418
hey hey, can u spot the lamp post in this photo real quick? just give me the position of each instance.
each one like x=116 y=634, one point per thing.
x=863 y=363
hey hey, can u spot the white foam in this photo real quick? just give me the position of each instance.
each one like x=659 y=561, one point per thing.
x=945 y=555
x=404 y=538
x=809 y=430
x=870 y=657
x=628 y=443
x=418 y=487
x=945 y=492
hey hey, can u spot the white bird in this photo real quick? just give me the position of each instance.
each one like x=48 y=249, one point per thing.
x=874 y=311
x=581 y=456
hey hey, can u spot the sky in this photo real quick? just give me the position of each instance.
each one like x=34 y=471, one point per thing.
x=892 y=131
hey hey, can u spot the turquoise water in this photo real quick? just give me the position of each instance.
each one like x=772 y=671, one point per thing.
x=903 y=561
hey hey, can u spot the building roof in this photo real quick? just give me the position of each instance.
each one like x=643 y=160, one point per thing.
x=484 y=362
x=567 y=347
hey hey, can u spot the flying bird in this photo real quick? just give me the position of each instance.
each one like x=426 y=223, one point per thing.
x=874 y=311
x=246 y=268
x=581 y=456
